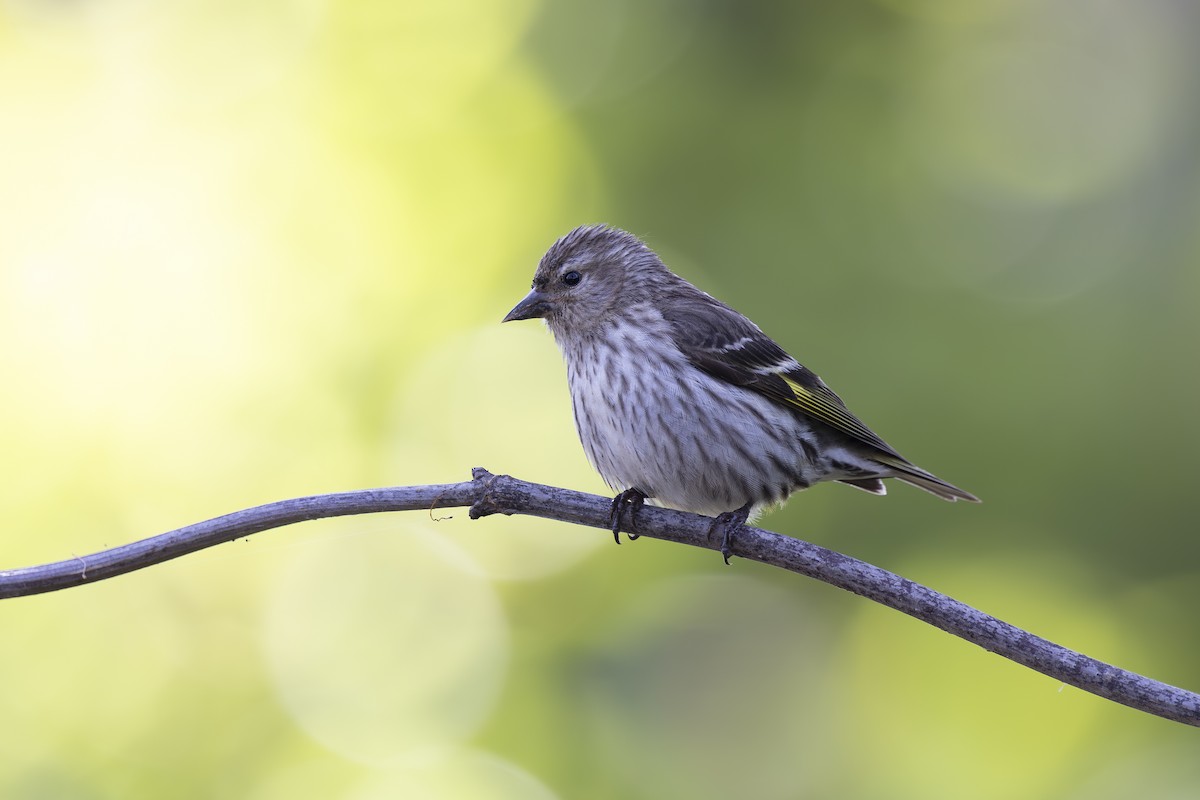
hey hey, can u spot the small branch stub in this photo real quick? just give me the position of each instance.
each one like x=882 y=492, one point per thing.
x=486 y=505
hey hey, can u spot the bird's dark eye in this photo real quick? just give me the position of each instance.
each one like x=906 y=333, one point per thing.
x=571 y=278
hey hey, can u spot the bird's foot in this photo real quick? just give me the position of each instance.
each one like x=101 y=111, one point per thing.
x=729 y=523
x=633 y=499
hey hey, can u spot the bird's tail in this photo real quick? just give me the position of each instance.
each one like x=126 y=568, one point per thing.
x=915 y=476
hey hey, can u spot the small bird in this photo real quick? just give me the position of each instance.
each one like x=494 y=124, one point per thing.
x=683 y=402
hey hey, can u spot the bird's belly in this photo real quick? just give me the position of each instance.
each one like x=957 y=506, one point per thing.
x=687 y=440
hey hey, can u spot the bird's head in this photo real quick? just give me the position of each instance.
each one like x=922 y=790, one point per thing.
x=586 y=277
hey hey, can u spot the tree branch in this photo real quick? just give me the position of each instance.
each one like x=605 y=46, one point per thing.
x=500 y=494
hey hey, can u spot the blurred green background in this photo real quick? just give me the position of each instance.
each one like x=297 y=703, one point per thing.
x=250 y=251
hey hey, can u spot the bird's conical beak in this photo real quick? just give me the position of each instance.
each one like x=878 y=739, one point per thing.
x=534 y=305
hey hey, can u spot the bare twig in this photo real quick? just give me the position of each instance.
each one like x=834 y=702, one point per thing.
x=500 y=494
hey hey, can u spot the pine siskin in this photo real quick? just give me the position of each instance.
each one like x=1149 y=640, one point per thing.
x=682 y=401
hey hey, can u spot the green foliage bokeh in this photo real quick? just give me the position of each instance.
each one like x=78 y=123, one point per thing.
x=254 y=251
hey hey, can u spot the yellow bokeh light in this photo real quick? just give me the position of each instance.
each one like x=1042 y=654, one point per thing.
x=497 y=398
x=454 y=775
x=385 y=649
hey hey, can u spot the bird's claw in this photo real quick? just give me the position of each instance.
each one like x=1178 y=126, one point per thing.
x=633 y=499
x=729 y=523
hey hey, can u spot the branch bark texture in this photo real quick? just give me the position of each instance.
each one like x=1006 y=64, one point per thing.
x=501 y=494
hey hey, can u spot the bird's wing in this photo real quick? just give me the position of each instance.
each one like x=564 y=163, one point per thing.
x=728 y=346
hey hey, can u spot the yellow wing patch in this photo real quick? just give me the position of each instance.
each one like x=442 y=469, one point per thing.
x=825 y=406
